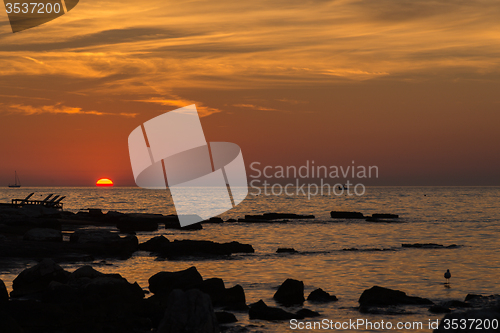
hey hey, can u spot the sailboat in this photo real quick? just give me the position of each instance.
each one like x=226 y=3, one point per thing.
x=17 y=182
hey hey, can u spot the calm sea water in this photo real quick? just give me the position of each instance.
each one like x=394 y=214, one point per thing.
x=466 y=216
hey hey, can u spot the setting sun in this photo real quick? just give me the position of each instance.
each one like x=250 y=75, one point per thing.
x=104 y=182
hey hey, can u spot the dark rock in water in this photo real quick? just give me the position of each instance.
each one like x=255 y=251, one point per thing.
x=155 y=244
x=189 y=312
x=85 y=272
x=380 y=296
x=4 y=295
x=214 y=220
x=475 y=321
x=321 y=296
x=385 y=216
x=456 y=304
x=165 y=282
x=179 y=248
x=482 y=301
x=43 y=235
x=439 y=309
x=277 y=216
x=231 y=220
x=37 y=278
x=228 y=298
x=429 y=246
x=8 y=324
x=234 y=298
x=260 y=310
x=306 y=313
x=346 y=215
x=286 y=250
x=224 y=317
x=127 y=224
x=113 y=288
x=291 y=292
x=106 y=241
x=385 y=311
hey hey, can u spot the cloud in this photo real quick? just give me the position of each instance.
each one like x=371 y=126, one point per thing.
x=61 y=109
x=251 y=106
x=203 y=111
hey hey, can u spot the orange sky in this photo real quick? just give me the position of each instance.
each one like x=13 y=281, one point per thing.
x=409 y=86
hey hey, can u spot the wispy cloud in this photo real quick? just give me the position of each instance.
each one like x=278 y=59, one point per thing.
x=203 y=111
x=255 y=107
x=60 y=109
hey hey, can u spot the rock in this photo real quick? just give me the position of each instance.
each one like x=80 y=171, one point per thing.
x=232 y=220
x=291 y=292
x=260 y=310
x=385 y=216
x=128 y=224
x=277 y=216
x=36 y=279
x=234 y=298
x=214 y=288
x=94 y=236
x=380 y=296
x=189 y=312
x=43 y=235
x=180 y=248
x=4 y=295
x=113 y=289
x=475 y=319
x=429 y=246
x=214 y=220
x=8 y=324
x=286 y=250
x=321 y=296
x=306 y=313
x=85 y=272
x=225 y=317
x=482 y=301
x=346 y=215
x=165 y=282
x=456 y=304
x=155 y=244
x=439 y=309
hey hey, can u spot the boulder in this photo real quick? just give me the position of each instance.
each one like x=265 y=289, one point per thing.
x=4 y=295
x=155 y=244
x=8 y=324
x=290 y=292
x=385 y=216
x=321 y=296
x=127 y=224
x=439 y=309
x=260 y=310
x=225 y=317
x=85 y=272
x=105 y=242
x=286 y=250
x=277 y=216
x=346 y=215
x=179 y=248
x=380 y=296
x=234 y=298
x=43 y=235
x=36 y=279
x=189 y=312
x=94 y=237
x=306 y=313
x=113 y=288
x=165 y=282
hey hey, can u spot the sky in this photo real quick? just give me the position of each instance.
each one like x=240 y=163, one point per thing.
x=408 y=86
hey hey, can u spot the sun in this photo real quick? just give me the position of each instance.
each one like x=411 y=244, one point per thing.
x=104 y=182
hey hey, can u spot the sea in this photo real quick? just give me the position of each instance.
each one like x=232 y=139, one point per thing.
x=343 y=257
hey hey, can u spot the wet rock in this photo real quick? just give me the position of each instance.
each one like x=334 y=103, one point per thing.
x=439 y=309
x=482 y=301
x=306 y=313
x=8 y=324
x=234 y=298
x=456 y=304
x=224 y=317
x=94 y=236
x=277 y=216
x=105 y=241
x=286 y=250
x=43 y=235
x=214 y=220
x=472 y=318
x=380 y=296
x=165 y=282
x=189 y=312
x=4 y=295
x=180 y=248
x=260 y=310
x=290 y=292
x=346 y=215
x=85 y=272
x=129 y=224
x=113 y=289
x=321 y=296
x=385 y=216
x=155 y=244
x=429 y=246
x=36 y=279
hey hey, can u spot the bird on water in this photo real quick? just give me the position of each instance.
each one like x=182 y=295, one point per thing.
x=447 y=276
